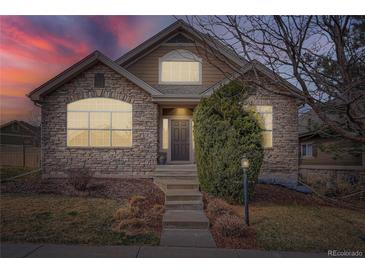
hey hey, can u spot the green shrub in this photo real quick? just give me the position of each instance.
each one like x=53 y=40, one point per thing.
x=224 y=131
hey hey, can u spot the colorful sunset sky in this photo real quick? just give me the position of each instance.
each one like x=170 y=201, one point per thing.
x=33 y=49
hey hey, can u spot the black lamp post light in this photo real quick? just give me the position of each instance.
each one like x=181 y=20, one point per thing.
x=245 y=164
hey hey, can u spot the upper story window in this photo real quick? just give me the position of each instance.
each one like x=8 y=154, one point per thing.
x=180 y=67
x=99 y=122
x=99 y=80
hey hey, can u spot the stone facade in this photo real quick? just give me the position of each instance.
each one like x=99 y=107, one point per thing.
x=280 y=162
x=137 y=161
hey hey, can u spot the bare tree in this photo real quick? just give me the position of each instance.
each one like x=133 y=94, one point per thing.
x=322 y=56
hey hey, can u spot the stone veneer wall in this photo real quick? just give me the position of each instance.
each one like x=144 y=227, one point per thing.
x=281 y=161
x=137 y=161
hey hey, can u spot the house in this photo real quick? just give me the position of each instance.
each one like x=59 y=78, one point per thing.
x=326 y=158
x=19 y=133
x=117 y=117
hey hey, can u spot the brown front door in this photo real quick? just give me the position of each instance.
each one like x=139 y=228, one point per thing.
x=180 y=140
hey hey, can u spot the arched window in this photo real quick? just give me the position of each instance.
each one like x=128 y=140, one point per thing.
x=99 y=122
x=180 y=67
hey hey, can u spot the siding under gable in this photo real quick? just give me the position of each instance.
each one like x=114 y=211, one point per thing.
x=147 y=69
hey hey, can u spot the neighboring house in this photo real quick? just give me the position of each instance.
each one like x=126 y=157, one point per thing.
x=116 y=117
x=19 y=144
x=19 y=133
x=326 y=158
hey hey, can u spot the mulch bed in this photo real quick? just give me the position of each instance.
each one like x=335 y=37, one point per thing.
x=248 y=242
x=270 y=194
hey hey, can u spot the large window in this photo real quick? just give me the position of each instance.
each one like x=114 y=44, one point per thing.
x=99 y=122
x=265 y=113
x=180 y=67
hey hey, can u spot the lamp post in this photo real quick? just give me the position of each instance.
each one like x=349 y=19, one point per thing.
x=245 y=163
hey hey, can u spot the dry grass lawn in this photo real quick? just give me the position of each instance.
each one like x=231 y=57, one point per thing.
x=289 y=221
x=61 y=219
x=307 y=228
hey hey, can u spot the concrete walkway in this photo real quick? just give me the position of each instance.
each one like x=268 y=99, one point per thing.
x=28 y=250
x=184 y=222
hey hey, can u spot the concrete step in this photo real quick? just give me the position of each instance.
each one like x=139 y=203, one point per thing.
x=181 y=184
x=176 y=173
x=176 y=180
x=181 y=219
x=183 y=195
x=183 y=205
x=176 y=167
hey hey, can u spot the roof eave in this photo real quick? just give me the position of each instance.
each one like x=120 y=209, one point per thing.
x=82 y=65
x=166 y=32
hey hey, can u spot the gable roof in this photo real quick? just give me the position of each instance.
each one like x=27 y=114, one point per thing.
x=181 y=25
x=261 y=68
x=177 y=27
x=28 y=127
x=82 y=65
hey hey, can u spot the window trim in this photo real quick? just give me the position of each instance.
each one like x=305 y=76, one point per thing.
x=176 y=56
x=89 y=129
x=306 y=151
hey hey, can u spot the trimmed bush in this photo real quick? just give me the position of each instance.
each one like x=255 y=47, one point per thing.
x=230 y=226
x=218 y=207
x=223 y=132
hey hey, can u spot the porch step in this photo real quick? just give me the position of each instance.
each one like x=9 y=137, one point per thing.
x=181 y=219
x=183 y=195
x=176 y=167
x=176 y=173
x=178 y=183
x=182 y=185
x=186 y=205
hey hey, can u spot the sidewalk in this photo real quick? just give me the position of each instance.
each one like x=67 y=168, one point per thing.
x=28 y=250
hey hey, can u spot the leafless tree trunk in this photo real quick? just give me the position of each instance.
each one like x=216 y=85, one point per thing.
x=322 y=56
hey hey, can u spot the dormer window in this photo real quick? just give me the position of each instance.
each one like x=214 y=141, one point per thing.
x=180 y=67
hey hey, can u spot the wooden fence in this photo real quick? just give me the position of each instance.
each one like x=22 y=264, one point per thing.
x=21 y=156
